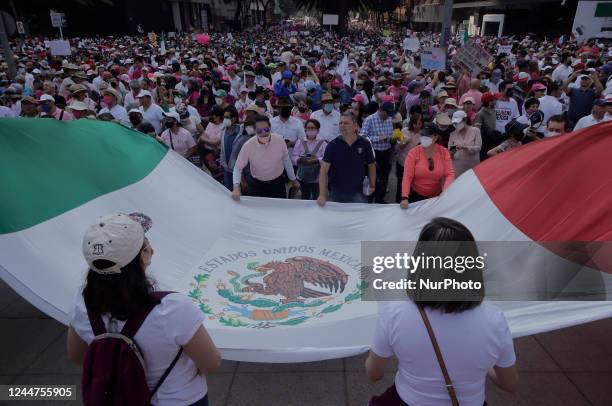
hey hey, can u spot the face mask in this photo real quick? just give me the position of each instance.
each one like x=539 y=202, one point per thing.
x=509 y=92
x=250 y=130
x=227 y=122
x=218 y=100
x=459 y=126
x=45 y=108
x=450 y=111
x=312 y=133
x=328 y=108
x=264 y=139
x=107 y=100
x=426 y=141
x=302 y=109
x=169 y=124
x=177 y=100
x=285 y=112
x=135 y=120
x=551 y=133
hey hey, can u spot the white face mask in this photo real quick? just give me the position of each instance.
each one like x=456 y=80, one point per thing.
x=459 y=126
x=218 y=100
x=227 y=122
x=250 y=130
x=426 y=141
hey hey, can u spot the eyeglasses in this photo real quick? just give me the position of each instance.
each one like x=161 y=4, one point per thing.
x=431 y=164
x=262 y=130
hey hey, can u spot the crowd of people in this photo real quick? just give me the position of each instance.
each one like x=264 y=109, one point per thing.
x=262 y=111
x=327 y=117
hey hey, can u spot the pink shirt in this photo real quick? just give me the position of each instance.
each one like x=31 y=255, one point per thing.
x=474 y=94
x=418 y=176
x=58 y=113
x=266 y=160
x=298 y=150
x=214 y=131
x=181 y=142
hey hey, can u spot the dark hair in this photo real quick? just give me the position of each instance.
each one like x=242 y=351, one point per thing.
x=442 y=238
x=350 y=115
x=260 y=118
x=560 y=118
x=414 y=118
x=146 y=127
x=531 y=101
x=503 y=84
x=122 y=295
x=313 y=121
x=232 y=111
x=217 y=111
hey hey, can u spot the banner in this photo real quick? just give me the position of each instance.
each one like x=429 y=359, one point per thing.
x=472 y=57
x=433 y=58
x=60 y=48
x=411 y=44
x=280 y=280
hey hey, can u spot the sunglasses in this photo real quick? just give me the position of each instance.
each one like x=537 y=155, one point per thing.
x=431 y=164
x=262 y=130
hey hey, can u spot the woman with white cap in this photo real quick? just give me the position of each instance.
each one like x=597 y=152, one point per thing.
x=118 y=297
x=464 y=143
x=176 y=137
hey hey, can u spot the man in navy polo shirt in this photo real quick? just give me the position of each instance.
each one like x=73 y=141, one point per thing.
x=345 y=161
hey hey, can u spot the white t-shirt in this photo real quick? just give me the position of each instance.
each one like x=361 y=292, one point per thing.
x=471 y=343
x=550 y=106
x=330 y=124
x=170 y=324
x=505 y=111
x=154 y=114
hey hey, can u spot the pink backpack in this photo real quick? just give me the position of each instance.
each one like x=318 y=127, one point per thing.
x=114 y=370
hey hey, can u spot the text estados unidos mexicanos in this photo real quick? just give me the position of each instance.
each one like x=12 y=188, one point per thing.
x=405 y=261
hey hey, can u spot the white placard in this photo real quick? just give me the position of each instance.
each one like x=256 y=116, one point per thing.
x=20 y=28
x=330 y=19
x=412 y=44
x=504 y=49
x=57 y=19
x=60 y=47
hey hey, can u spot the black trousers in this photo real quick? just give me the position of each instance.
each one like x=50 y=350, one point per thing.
x=310 y=191
x=270 y=188
x=399 y=173
x=383 y=167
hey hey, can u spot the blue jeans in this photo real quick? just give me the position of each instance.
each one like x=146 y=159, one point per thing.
x=228 y=179
x=347 y=197
x=201 y=402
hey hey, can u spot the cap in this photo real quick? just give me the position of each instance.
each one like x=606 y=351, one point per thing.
x=144 y=93
x=287 y=74
x=599 y=102
x=220 y=93
x=135 y=110
x=468 y=99
x=249 y=73
x=451 y=101
x=173 y=114
x=46 y=97
x=608 y=99
x=585 y=77
x=252 y=107
x=114 y=237
x=388 y=108
x=458 y=116
x=443 y=119
x=487 y=97
x=244 y=89
x=327 y=97
x=537 y=87
x=358 y=98
x=29 y=99
x=309 y=85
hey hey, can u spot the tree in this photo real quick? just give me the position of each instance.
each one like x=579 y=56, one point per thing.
x=342 y=8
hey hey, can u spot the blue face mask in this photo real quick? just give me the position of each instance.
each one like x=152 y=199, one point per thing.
x=45 y=107
x=328 y=108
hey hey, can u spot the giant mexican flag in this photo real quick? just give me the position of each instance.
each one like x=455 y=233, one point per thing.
x=57 y=177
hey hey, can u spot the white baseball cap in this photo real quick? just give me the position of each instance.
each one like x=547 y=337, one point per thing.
x=458 y=116
x=47 y=97
x=143 y=93
x=117 y=238
x=173 y=114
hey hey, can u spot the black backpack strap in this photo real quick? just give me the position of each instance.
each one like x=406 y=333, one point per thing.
x=133 y=324
x=97 y=324
x=168 y=370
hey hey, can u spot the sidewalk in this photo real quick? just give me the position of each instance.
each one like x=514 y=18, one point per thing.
x=569 y=367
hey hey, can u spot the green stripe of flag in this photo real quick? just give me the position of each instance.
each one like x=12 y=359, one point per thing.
x=48 y=167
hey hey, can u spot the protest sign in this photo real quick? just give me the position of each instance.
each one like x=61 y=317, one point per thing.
x=433 y=58
x=411 y=44
x=472 y=57
x=504 y=49
x=60 y=48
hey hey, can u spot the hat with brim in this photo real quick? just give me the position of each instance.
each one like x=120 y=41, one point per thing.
x=29 y=99
x=327 y=97
x=77 y=105
x=143 y=93
x=173 y=114
x=468 y=99
x=441 y=94
x=113 y=92
x=252 y=107
x=443 y=119
x=135 y=110
x=74 y=89
x=451 y=102
x=47 y=98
